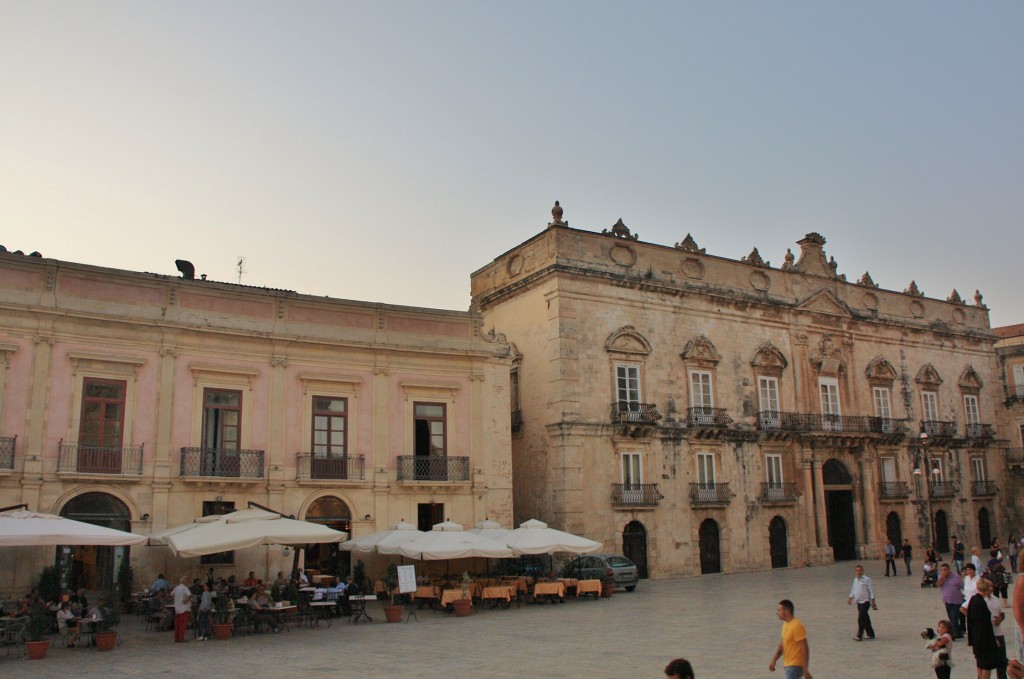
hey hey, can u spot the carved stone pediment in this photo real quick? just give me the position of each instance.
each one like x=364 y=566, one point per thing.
x=690 y=245
x=769 y=360
x=825 y=302
x=969 y=381
x=912 y=289
x=755 y=258
x=812 y=257
x=880 y=372
x=827 y=357
x=955 y=298
x=867 y=281
x=701 y=351
x=626 y=340
x=620 y=230
x=928 y=376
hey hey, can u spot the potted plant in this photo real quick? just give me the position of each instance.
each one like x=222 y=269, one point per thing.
x=607 y=585
x=393 y=610
x=291 y=593
x=221 y=625
x=464 y=606
x=275 y=593
x=106 y=629
x=125 y=577
x=36 y=643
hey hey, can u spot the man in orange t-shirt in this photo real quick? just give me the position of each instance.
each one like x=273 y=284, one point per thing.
x=793 y=649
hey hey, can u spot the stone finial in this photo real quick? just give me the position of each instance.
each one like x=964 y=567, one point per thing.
x=812 y=257
x=867 y=281
x=978 y=299
x=788 y=264
x=955 y=298
x=912 y=289
x=620 y=230
x=690 y=245
x=556 y=216
x=755 y=258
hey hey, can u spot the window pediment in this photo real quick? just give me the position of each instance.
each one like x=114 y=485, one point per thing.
x=769 y=360
x=880 y=372
x=626 y=340
x=970 y=382
x=928 y=376
x=700 y=351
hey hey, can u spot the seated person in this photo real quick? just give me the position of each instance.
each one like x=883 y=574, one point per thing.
x=67 y=625
x=281 y=581
x=158 y=610
x=259 y=603
x=303 y=580
x=351 y=589
x=79 y=604
x=251 y=581
x=159 y=584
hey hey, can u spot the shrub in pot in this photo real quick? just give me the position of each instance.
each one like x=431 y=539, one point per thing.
x=36 y=643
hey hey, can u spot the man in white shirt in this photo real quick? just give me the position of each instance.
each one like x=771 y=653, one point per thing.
x=863 y=592
x=182 y=607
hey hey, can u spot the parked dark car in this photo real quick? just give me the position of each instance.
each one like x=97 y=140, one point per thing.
x=604 y=567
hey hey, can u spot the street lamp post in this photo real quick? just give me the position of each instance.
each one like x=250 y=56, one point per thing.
x=933 y=469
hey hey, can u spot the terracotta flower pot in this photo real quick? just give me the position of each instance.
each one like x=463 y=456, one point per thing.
x=221 y=630
x=105 y=641
x=606 y=589
x=37 y=649
x=463 y=607
x=393 y=613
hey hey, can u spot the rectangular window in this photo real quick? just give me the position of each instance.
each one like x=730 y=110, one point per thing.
x=706 y=469
x=773 y=463
x=1018 y=380
x=430 y=430
x=700 y=389
x=883 y=410
x=888 y=470
x=222 y=419
x=937 y=470
x=627 y=384
x=102 y=424
x=930 y=406
x=828 y=390
x=513 y=389
x=971 y=409
x=217 y=508
x=978 y=468
x=768 y=394
x=330 y=426
x=429 y=514
x=631 y=472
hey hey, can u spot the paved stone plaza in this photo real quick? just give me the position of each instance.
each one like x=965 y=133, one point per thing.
x=725 y=624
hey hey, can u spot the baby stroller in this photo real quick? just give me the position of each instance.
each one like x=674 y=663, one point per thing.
x=930 y=577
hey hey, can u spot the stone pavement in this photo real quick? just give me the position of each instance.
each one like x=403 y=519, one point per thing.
x=724 y=624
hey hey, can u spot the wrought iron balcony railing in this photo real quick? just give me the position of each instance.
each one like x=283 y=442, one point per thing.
x=887 y=426
x=72 y=458
x=7 y=444
x=635 y=494
x=309 y=466
x=710 y=494
x=778 y=492
x=980 y=431
x=983 y=488
x=517 y=421
x=222 y=463
x=630 y=412
x=893 y=490
x=941 y=428
x=702 y=416
x=1015 y=455
x=774 y=420
x=943 y=489
x=440 y=468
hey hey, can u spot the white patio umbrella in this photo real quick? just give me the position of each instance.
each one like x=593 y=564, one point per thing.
x=246 y=528
x=21 y=527
x=398 y=534
x=448 y=540
x=534 y=537
x=490 y=529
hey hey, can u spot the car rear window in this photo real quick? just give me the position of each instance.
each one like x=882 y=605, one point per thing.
x=619 y=561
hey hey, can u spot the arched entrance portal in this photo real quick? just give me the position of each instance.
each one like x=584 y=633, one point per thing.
x=894 y=529
x=332 y=512
x=842 y=533
x=777 y=543
x=634 y=545
x=984 y=528
x=91 y=566
x=710 y=548
x=941 y=532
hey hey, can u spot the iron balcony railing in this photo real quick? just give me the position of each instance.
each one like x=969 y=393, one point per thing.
x=888 y=426
x=980 y=431
x=943 y=428
x=894 y=490
x=703 y=416
x=438 y=468
x=778 y=492
x=774 y=420
x=76 y=458
x=517 y=421
x=7 y=444
x=943 y=489
x=1015 y=455
x=983 y=488
x=636 y=494
x=222 y=463
x=710 y=493
x=310 y=466
x=630 y=412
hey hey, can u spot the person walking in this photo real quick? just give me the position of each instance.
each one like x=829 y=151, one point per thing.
x=890 y=557
x=980 y=631
x=958 y=553
x=863 y=592
x=907 y=552
x=952 y=587
x=182 y=597
x=793 y=649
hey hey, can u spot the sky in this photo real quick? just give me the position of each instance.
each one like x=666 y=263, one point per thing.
x=383 y=150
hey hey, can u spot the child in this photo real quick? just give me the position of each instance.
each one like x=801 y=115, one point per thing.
x=942 y=650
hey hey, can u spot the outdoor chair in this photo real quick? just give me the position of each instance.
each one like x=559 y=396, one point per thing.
x=13 y=636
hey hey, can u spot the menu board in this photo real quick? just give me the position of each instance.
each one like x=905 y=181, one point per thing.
x=406 y=579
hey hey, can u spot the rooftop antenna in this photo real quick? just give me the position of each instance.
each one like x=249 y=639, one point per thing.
x=240 y=267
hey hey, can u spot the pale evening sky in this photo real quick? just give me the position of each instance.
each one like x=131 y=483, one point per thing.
x=383 y=150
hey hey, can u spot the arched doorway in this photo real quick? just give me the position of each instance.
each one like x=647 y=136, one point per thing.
x=894 y=529
x=941 y=532
x=332 y=512
x=777 y=543
x=984 y=528
x=710 y=548
x=634 y=545
x=93 y=567
x=842 y=532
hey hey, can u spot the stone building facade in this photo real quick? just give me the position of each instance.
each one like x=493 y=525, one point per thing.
x=142 y=401
x=702 y=414
x=1010 y=351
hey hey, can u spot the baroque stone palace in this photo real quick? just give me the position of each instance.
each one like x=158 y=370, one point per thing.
x=703 y=414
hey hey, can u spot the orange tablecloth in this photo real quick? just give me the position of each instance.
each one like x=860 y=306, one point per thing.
x=450 y=595
x=550 y=588
x=569 y=582
x=588 y=587
x=316 y=579
x=499 y=592
x=520 y=584
x=426 y=592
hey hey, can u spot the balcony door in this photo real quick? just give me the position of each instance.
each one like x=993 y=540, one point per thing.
x=828 y=390
x=102 y=426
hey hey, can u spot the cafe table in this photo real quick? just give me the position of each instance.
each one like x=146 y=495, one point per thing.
x=322 y=610
x=358 y=605
x=427 y=595
x=585 y=587
x=554 y=591
x=450 y=595
x=501 y=595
